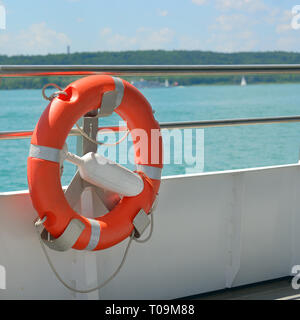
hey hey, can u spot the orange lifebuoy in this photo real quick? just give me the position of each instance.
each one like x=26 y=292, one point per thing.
x=51 y=132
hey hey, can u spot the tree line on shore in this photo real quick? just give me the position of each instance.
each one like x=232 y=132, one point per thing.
x=154 y=57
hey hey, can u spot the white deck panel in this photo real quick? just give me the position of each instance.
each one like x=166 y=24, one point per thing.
x=212 y=231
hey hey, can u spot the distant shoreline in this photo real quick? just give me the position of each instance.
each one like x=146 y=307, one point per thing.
x=182 y=86
x=156 y=57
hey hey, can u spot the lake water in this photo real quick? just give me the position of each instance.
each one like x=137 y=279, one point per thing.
x=224 y=148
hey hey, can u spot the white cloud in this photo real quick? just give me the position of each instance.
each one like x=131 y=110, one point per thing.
x=240 y=28
x=105 y=31
x=142 y=39
x=288 y=43
x=227 y=33
x=37 y=39
x=162 y=13
x=283 y=28
x=187 y=42
x=158 y=38
x=248 y=5
x=288 y=39
x=226 y=42
x=231 y=33
x=284 y=21
x=199 y=2
x=230 y=22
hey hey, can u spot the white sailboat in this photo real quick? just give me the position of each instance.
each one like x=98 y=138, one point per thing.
x=243 y=82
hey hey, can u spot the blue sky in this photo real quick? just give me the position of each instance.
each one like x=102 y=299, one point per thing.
x=41 y=27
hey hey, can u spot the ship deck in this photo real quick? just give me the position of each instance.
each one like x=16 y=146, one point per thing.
x=278 y=289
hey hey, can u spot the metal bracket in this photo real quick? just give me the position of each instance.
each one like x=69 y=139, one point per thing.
x=67 y=240
x=140 y=222
x=112 y=99
x=108 y=103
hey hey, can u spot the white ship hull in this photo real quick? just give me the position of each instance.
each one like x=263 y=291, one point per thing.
x=212 y=231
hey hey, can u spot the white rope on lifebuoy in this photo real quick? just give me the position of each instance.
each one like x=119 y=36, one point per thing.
x=85 y=135
x=55 y=94
x=39 y=222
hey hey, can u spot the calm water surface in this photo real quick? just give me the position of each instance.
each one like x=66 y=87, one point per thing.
x=224 y=148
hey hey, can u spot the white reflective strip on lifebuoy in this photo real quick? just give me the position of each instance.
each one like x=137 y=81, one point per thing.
x=95 y=234
x=120 y=90
x=112 y=99
x=151 y=172
x=45 y=153
x=67 y=239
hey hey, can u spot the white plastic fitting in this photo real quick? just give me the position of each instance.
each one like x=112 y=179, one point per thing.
x=107 y=174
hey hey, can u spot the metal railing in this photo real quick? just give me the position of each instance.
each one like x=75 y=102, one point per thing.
x=7 y=135
x=146 y=70
x=154 y=70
